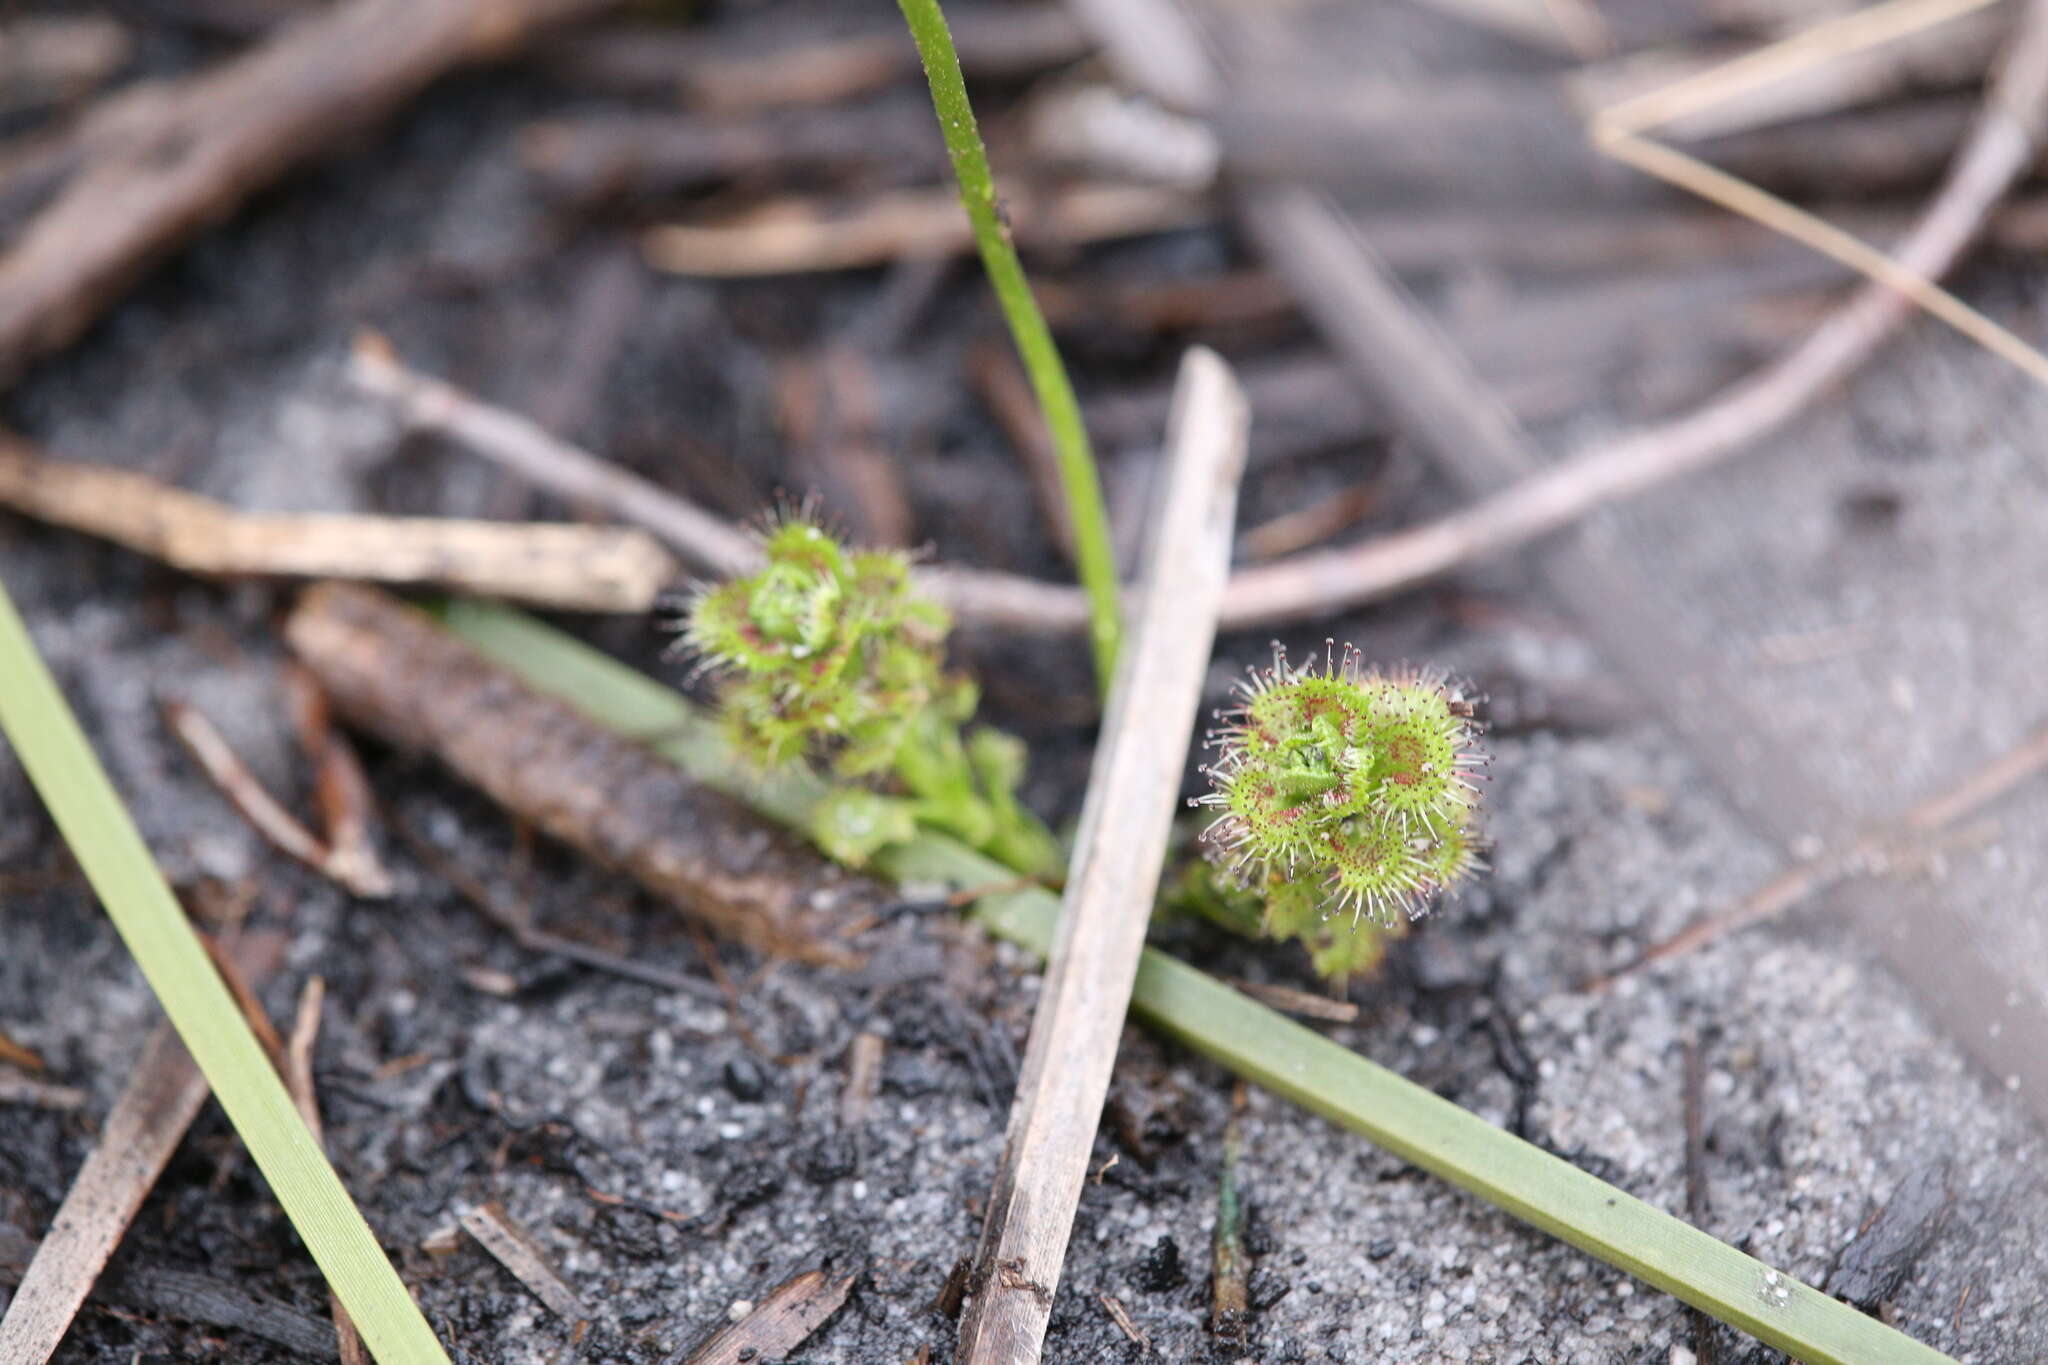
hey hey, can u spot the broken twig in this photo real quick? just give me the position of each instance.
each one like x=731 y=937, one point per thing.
x=255 y=803
x=780 y=1323
x=390 y=668
x=1115 y=874
x=513 y=1247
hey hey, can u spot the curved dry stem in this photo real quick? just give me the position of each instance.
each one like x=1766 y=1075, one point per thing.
x=1320 y=582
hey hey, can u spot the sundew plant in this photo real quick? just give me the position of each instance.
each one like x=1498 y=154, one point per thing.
x=826 y=656
x=1345 y=799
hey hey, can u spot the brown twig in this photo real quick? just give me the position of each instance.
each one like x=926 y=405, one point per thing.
x=780 y=1323
x=216 y=138
x=15 y=1054
x=254 y=802
x=388 y=667
x=156 y=1106
x=1123 y=832
x=347 y=807
x=571 y=567
x=513 y=1247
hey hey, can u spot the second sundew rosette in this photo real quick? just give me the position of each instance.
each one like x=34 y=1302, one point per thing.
x=1344 y=793
x=826 y=656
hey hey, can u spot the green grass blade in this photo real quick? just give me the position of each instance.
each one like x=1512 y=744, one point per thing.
x=66 y=773
x=1078 y=477
x=1253 y=1041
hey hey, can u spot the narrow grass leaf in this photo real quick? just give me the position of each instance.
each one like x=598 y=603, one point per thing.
x=103 y=838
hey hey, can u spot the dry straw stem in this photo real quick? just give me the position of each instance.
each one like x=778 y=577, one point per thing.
x=1616 y=132
x=513 y=1247
x=1132 y=788
x=526 y=448
x=569 y=567
x=1300 y=587
x=1773 y=65
x=158 y=1104
x=801 y=236
x=781 y=1322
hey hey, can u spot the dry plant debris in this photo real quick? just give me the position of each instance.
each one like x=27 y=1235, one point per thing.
x=390 y=669
x=780 y=1323
x=573 y=567
x=148 y=1121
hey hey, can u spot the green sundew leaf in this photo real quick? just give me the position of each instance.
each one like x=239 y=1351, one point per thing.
x=1257 y=1043
x=61 y=764
x=854 y=824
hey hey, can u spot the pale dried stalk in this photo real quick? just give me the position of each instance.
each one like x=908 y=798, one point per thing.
x=1615 y=131
x=1767 y=66
x=513 y=1247
x=528 y=449
x=572 y=567
x=797 y=236
x=1065 y=1074
x=1690 y=173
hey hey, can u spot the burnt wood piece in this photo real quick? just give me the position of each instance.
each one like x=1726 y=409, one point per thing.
x=391 y=669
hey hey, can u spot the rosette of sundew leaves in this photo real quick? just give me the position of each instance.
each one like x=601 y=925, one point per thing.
x=825 y=655
x=1346 y=801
